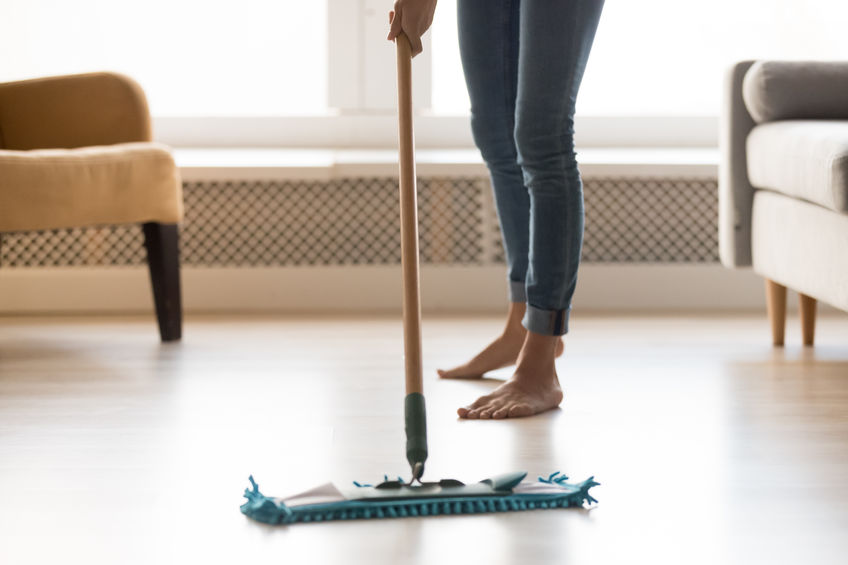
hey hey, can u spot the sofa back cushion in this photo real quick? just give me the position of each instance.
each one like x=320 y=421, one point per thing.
x=793 y=90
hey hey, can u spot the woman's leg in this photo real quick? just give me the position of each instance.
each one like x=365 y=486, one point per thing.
x=556 y=37
x=555 y=40
x=488 y=40
x=488 y=44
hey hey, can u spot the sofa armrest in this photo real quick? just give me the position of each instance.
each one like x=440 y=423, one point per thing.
x=72 y=111
x=735 y=193
x=796 y=90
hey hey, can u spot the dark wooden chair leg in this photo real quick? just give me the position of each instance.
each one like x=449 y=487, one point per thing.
x=776 y=302
x=163 y=260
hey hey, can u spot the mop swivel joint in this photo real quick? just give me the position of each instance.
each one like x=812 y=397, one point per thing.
x=417 y=472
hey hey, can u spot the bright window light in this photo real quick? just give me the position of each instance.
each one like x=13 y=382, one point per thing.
x=269 y=57
x=668 y=57
x=192 y=57
x=450 y=95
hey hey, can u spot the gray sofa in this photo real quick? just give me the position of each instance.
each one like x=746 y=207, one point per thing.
x=783 y=182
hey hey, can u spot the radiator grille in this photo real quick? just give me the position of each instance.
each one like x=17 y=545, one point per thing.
x=355 y=221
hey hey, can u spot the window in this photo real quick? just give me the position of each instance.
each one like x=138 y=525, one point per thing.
x=319 y=72
x=192 y=57
x=668 y=57
x=449 y=93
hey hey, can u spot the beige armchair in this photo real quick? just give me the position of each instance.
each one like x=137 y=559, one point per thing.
x=76 y=151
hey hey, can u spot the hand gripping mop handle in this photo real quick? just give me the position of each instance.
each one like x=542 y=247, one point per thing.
x=414 y=411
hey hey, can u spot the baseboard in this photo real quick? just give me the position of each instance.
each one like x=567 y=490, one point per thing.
x=337 y=289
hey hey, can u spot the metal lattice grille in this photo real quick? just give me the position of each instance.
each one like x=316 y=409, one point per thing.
x=112 y=245
x=651 y=220
x=350 y=221
x=356 y=221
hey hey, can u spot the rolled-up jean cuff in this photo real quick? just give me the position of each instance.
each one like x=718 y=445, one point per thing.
x=517 y=293
x=546 y=322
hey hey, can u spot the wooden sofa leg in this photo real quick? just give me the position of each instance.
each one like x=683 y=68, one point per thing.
x=163 y=261
x=808 y=318
x=776 y=302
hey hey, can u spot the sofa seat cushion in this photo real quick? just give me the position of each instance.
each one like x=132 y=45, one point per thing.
x=113 y=184
x=806 y=159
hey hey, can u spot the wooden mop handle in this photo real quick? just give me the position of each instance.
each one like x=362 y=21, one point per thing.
x=415 y=413
x=408 y=220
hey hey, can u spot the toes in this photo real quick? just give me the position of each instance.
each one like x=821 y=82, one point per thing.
x=462 y=372
x=481 y=402
x=473 y=410
x=488 y=409
x=490 y=406
x=520 y=410
x=496 y=409
x=468 y=412
x=449 y=374
x=500 y=413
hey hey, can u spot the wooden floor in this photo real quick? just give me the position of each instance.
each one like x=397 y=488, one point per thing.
x=711 y=446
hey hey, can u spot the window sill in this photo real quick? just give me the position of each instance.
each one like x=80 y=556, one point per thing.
x=270 y=163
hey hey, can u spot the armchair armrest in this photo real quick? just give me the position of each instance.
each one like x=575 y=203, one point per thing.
x=735 y=193
x=72 y=111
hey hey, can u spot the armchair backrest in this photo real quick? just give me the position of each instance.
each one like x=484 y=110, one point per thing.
x=72 y=111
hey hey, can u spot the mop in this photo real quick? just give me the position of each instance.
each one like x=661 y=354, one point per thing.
x=396 y=498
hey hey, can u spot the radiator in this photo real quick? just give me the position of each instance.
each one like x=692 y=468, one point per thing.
x=355 y=221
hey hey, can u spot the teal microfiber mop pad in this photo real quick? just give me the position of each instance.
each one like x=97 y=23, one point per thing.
x=397 y=499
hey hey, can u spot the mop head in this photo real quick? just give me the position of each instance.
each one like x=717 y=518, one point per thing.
x=396 y=499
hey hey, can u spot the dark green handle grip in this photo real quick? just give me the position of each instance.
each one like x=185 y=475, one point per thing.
x=416 y=429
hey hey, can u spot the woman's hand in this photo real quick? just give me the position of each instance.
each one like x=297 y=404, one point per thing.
x=413 y=17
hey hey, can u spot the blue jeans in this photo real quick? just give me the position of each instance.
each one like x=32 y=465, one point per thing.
x=523 y=62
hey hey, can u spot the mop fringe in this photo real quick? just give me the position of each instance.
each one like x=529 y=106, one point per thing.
x=273 y=511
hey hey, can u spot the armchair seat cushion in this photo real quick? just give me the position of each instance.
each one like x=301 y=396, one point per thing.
x=805 y=159
x=115 y=184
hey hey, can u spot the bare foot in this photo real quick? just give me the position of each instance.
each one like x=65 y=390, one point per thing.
x=534 y=387
x=502 y=352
